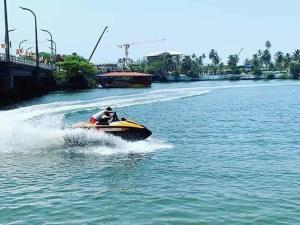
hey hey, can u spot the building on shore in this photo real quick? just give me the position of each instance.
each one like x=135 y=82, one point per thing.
x=156 y=55
x=124 y=80
x=121 y=65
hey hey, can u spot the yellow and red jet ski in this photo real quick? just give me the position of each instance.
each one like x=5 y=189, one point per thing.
x=126 y=129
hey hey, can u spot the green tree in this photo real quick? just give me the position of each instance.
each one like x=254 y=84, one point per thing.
x=266 y=58
x=296 y=55
x=268 y=45
x=162 y=65
x=295 y=70
x=233 y=60
x=75 y=73
x=287 y=61
x=169 y=64
x=186 y=65
x=156 y=67
x=214 y=57
x=196 y=66
x=279 y=59
x=256 y=67
x=45 y=56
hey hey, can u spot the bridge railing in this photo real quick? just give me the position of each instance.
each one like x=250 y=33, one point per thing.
x=24 y=61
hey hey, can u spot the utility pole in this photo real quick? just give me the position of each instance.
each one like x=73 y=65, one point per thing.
x=98 y=43
x=7 y=53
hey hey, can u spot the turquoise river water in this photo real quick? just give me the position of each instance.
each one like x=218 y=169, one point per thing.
x=221 y=153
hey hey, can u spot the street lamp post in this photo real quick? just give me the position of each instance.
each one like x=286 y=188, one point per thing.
x=37 y=55
x=28 y=49
x=7 y=53
x=11 y=30
x=51 y=40
x=21 y=44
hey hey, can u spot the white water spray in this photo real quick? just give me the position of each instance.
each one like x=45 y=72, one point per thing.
x=39 y=127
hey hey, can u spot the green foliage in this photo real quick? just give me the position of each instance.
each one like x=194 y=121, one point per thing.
x=256 y=71
x=295 y=70
x=214 y=57
x=156 y=68
x=193 y=66
x=46 y=56
x=279 y=59
x=186 y=65
x=283 y=76
x=296 y=56
x=268 y=45
x=75 y=73
x=164 y=64
x=233 y=60
x=138 y=67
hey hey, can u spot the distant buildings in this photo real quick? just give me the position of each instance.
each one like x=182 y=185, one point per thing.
x=123 y=63
x=155 y=55
x=104 y=68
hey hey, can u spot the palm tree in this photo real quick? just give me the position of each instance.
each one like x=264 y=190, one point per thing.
x=221 y=68
x=186 y=65
x=214 y=57
x=199 y=61
x=266 y=58
x=279 y=58
x=233 y=60
x=268 y=45
x=256 y=66
x=287 y=61
x=296 y=55
x=260 y=56
x=194 y=56
x=169 y=64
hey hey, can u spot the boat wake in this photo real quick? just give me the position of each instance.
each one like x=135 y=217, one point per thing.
x=37 y=128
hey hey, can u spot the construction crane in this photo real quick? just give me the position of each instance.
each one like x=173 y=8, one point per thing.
x=126 y=46
x=240 y=52
x=105 y=29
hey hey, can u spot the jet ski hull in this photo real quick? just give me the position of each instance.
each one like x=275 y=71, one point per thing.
x=126 y=130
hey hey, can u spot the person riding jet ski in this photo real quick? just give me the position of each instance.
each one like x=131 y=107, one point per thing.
x=103 y=117
x=108 y=122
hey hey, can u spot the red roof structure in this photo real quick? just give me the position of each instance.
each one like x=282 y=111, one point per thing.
x=125 y=74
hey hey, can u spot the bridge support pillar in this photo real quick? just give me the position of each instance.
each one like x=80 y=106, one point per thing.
x=9 y=79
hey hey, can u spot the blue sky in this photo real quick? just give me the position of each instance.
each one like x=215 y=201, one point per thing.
x=189 y=26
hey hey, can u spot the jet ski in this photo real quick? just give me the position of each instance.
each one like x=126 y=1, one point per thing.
x=126 y=129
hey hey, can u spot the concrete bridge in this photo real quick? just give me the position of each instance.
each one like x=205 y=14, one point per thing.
x=21 y=75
